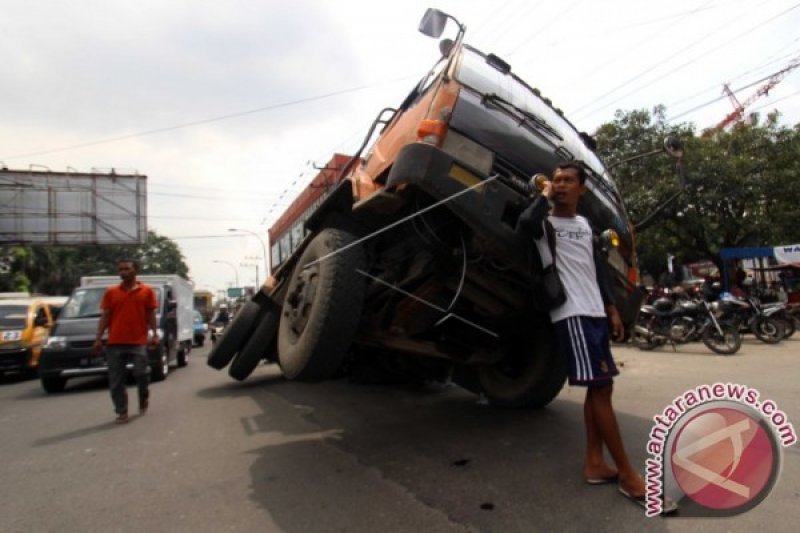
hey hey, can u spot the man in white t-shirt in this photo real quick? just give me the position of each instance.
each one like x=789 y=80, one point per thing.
x=582 y=323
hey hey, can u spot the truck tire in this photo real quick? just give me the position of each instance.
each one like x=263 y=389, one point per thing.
x=183 y=357
x=234 y=336
x=530 y=375
x=322 y=307
x=160 y=370
x=255 y=349
x=53 y=384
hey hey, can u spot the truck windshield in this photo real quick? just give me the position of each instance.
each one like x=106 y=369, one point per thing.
x=13 y=316
x=505 y=91
x=85 y=302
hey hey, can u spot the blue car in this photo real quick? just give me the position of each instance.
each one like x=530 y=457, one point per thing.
x=200 y=329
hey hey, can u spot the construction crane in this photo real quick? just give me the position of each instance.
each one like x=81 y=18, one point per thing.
x=739 y=107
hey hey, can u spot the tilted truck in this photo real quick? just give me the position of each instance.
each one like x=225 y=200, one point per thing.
x=68 y=350
x=409 y=250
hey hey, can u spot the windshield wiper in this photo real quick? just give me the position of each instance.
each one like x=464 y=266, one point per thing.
x=504 y=104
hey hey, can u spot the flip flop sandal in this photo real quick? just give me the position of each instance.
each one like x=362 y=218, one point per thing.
x=667 y=507
x=601 y=480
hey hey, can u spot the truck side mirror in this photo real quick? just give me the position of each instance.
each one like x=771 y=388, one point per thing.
x=433 y=23
x=674 y=147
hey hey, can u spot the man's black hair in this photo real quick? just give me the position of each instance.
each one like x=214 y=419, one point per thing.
x=576 y=165
x=134 y=262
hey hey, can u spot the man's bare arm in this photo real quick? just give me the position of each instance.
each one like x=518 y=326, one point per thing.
x=101 y=328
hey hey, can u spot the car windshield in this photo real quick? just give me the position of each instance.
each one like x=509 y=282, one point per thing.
x=85 y=302
x=13 y=316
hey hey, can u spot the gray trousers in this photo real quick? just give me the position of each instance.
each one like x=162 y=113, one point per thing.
x=117 y=355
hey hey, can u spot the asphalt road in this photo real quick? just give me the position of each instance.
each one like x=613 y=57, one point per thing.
x=269 y=455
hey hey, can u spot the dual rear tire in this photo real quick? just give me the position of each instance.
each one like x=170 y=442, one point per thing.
x=317 y=322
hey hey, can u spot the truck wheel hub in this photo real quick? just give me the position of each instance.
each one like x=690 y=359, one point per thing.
x=301 y=299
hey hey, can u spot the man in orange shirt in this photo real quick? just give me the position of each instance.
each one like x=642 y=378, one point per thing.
x=129 y=309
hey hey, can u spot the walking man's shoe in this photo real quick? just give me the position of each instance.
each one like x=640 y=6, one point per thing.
x=122 y=418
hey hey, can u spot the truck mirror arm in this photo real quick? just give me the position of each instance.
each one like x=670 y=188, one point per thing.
x=646 y=221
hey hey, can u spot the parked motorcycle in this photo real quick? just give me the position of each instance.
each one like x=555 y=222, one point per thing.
x=781 y=313
x=749 y=316
x=686 y=321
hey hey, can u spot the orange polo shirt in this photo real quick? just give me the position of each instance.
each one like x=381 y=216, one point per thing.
x=127 y=313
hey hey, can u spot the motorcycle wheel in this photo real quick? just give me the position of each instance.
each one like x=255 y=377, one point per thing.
x=767 y=329
x=728 y=343
x=788 y=327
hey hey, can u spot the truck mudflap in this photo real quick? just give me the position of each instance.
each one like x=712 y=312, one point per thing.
x=491 y=210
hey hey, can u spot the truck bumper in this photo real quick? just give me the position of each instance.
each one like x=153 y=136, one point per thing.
x=491 y=210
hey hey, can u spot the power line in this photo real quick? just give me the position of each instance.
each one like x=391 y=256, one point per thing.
x=635 y=25
x=776 y=101
x=738 y=76
x=679 y=67
x=653 y=67
x=548 y=24
x=204 y=121
x=636 y=47
x=722 y=96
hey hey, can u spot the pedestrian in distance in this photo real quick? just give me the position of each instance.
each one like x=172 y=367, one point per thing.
x=581 y=324
x=128 y=311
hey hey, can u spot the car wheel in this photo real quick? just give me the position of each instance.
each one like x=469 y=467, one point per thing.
x=322 y=307
x=53 y=384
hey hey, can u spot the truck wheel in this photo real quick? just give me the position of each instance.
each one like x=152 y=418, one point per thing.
x=322 y=308
x=531 y=374
x=160 y=370
x=183 y=357
x=234 y=336
x=257 y=346
x=53 y=384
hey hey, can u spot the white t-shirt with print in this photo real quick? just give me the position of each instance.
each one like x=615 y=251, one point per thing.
x=576 y=268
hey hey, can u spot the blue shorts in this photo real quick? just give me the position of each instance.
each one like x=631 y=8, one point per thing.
x=584 y=341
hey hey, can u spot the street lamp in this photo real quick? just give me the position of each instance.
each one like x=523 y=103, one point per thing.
x=263 y=246
x=235 y=271
x=251 y=265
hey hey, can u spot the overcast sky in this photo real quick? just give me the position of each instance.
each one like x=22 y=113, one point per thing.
x=226 y=105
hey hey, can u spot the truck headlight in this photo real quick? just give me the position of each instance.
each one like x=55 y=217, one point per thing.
x=609 y=239
x=468 y=152
x=56 y=343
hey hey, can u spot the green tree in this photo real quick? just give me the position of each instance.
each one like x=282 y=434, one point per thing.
x=57 y=269
x=741 y=185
